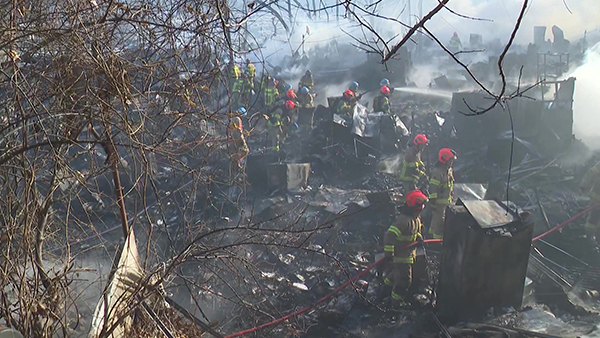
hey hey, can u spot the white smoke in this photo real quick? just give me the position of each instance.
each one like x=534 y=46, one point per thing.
x=584 y=15
x=586 y=106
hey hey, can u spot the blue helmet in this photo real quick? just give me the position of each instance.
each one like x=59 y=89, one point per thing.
x=242 y=111
x=303 y=90
x=384 y=82
x=288 y=87
x=353 y=85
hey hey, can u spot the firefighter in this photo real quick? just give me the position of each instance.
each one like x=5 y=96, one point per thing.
x=591 y=185
x=345 y=107
x=455 y=44
x=282 y=87
x=284 y=93
x=386 y=82
x=413 y=169
x=307 y=81
x=248 y=83
x=236 y=83
x=239 y=148
x=354 y=88
x=381 y=102
x=278 y=122
x=270 y=91
x=306 y=106
x=305 y=99
x=402 y=262
x=441 y=185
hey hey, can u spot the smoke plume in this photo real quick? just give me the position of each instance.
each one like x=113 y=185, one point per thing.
x=586 y=106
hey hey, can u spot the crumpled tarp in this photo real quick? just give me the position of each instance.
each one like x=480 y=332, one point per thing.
x=335 y=200
x=365 y=124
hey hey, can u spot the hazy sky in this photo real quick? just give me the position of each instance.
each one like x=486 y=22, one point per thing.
x=585 y=15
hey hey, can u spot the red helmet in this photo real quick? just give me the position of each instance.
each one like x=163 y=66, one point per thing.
x=420 y=139
x=446 y=154
x=385 y=90
x=348 y=94
x=416 y=199
x=289 y=104
x=290 y=94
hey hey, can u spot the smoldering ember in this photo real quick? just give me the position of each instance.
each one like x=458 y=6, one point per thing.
x=357 y=168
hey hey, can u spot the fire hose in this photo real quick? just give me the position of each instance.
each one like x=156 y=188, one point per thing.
x=377 y=263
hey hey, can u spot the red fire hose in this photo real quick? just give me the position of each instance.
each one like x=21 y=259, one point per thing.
x=372 y=266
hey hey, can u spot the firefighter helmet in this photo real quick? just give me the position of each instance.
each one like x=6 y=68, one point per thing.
x=308 y=72
x=446 y=154
x=290 y=94
x=304 y=90
x=385 y=90
x=289 y=104
x=353 y=86
x=420 y=139
x=247 y=60
x=416 y=199
x=348 y=94
x=288 y=87
x=384 y=82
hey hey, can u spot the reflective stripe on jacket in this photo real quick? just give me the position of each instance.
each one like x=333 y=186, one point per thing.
x=441 y=184
x=412 y=166
x=404 y=231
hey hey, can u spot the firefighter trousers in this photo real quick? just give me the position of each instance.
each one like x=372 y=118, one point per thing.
x=401 y=276
x=438 y=216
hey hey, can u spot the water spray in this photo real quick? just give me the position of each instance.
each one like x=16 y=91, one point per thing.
x=444 y=94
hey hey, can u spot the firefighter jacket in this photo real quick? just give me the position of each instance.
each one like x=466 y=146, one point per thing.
x=591 y=182
x=249 y=74
x=405 y=230
x=250 y=71
x=355 y=98
x=234 y=73
x=441 y=185
x=271 y=93
x=344 y=108
x=306 y=81
x=413 y=169
x=455 y=44
x=381 y=103
x=274 y=121
x=306 y=101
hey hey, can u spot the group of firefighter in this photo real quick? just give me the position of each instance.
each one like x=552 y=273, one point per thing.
x=401 y=266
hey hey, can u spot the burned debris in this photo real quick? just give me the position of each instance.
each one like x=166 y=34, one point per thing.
x=165 y=172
